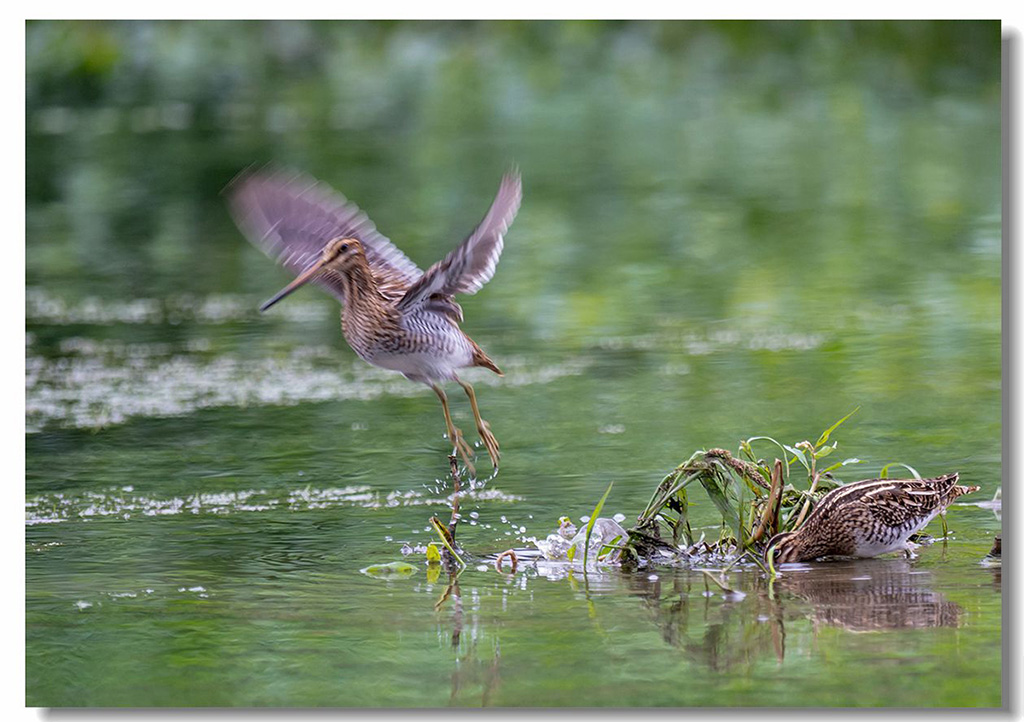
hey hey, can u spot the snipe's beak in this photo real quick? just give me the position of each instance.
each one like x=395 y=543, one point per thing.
x=300 y=281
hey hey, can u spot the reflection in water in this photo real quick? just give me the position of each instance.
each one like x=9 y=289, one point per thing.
x=720 y=634
x=994 y=561
x=468 y=669
x=859 y=596
x=865 y=595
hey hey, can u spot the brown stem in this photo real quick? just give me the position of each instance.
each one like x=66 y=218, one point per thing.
x=807 y=504
x=511 y=556
x=454 y=462
x=774 y=496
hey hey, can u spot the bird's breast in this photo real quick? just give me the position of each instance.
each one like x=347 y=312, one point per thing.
x=424 y=347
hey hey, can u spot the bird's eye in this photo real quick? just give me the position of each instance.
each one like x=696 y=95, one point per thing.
x=344 y=247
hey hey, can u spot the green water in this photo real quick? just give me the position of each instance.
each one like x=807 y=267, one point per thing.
x=726 y=230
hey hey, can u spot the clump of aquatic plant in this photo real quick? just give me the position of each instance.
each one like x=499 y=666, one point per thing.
x=756 y=499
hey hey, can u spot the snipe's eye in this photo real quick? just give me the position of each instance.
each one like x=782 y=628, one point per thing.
x=344 y=247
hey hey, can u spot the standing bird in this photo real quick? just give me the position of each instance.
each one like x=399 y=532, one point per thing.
x=868 y=518
x=393 y=314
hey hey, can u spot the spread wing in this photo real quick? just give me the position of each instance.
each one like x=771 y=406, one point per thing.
x=471 y=264
x=291 y=217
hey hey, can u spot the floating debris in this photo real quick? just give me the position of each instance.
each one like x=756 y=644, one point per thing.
x=391 y=569
x=994 y=558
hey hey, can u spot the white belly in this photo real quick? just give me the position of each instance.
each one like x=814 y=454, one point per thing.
x=424 y=367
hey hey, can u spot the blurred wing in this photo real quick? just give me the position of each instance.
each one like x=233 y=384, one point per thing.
x=467 y=268
x=291 y=217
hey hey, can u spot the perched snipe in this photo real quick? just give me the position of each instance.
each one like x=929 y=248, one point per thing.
x=868 y=518
x=393 y=314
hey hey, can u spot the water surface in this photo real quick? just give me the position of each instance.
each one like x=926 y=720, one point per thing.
x=726 y=230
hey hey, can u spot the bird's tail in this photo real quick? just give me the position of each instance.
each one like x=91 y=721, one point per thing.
x=482 y=359
x=956 y=489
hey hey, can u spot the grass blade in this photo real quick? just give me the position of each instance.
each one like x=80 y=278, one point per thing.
x=726 y=507
x=884 y=474
x=799 y=456
x=827 y=432
x=844 y=462
x=442 y=533
x=590 y=524
x=785 y=456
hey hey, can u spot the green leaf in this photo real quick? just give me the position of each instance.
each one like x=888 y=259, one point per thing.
x=785 y=457
x=610 y=546
x=444 y=540
x=844 y=462
x=590 y=523
x=752 y=439
x=827 y=432
x=825 y=450
x=391 y=569
x=720 y=498
x=682 y=525
x=885 y=470
x=433 y=555
x=800 y=456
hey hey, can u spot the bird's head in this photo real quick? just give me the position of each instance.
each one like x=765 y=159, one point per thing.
x=783 y=548
x=340 y=253
x=338 y=256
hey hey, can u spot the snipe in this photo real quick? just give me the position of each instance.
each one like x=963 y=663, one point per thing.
x=394 y=315
x=868 y=518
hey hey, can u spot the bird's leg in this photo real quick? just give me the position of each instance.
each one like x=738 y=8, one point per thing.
x=454 y=435
x=482 y=426
x=908 y=549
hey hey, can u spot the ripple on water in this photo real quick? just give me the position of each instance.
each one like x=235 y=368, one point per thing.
x=124 y=503
x=100 y=384
x=43 y=307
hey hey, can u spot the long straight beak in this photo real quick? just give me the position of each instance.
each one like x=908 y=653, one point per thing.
x=300 y=281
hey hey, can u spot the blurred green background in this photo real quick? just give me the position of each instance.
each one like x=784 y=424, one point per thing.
x=727 y=229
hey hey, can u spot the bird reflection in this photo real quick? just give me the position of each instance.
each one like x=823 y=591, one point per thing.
x=723 y=633
x=865 y=595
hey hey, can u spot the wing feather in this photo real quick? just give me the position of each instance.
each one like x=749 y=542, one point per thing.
x=291 y=217
x=471 y=264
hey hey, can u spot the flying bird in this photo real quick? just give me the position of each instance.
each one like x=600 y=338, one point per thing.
x=393 y=314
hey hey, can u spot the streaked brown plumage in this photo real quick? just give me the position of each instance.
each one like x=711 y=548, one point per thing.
x=393 y=314
x=868 y=518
